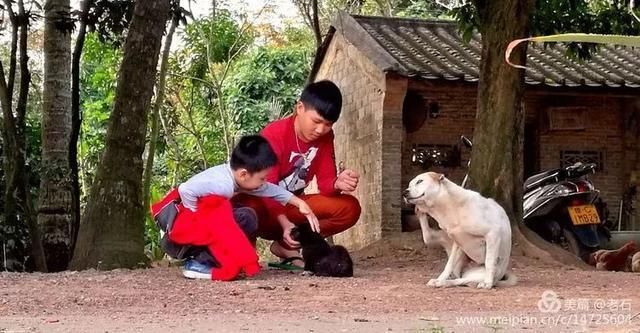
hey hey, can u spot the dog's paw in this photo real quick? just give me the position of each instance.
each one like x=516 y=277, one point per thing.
x=307 y=273
x=436 y=283
x=485 y=285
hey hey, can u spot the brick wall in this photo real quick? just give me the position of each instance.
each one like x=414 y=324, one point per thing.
x=631 y=130
x=392 y=137
x=603 y=131
x=457 y=105
x=358 y=132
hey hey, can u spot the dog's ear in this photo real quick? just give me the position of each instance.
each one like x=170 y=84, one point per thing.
x=438 y=177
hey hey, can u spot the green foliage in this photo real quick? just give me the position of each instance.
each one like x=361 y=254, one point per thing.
x=420 y=9
x=152 y=233
x=110 y=19
x=300 y=38
x=98 y=73
x=586 y=16
x=268 y=80
x=401 y=8
x=561 y=16
x=220 y=35
x=191 y=112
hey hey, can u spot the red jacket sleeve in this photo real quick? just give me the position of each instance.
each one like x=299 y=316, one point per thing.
x=326 y=174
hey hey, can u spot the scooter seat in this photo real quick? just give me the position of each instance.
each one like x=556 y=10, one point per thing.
x=539 y=178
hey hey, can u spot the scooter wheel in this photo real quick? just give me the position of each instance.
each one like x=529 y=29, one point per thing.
x=572 y=244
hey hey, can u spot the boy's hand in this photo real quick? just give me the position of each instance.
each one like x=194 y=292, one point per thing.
x=347 y=181
x=286 y=236
x=311 y=217
x=286 y=231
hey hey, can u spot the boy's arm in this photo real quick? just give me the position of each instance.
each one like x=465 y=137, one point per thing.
x=210 y=182
x=285 y=197
x=273 y=191
x=326 y=174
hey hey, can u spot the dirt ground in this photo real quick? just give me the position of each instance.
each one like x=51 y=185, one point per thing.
x=387 y=294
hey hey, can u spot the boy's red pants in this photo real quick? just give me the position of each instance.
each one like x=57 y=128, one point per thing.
x=335 y=213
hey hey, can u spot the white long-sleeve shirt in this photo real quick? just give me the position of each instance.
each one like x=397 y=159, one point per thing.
x=218 y=180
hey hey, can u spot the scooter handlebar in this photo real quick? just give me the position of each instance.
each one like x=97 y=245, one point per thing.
x=466 y=141
x=579 y=169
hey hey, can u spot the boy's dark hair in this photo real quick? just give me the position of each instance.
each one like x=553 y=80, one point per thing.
x=253 y=153
x=325 y=97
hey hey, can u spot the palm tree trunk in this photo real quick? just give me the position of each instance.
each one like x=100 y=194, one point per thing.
x=55 y=209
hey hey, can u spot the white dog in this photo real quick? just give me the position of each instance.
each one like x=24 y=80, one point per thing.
x=474 y=229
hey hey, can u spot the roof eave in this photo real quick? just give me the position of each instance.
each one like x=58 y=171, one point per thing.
x=355 y=34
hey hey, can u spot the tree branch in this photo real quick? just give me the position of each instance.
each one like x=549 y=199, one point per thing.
x=5 y=102
x=305 y=12
x=76 y=117
x=146 y=174
x=25 y=75
x=13 y=50
x=193 y=130
x=174 y=144
x=316 y=23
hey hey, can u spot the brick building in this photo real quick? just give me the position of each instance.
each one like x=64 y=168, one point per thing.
x=388 y=68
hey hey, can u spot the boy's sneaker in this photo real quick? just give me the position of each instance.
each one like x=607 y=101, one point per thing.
x=195 y=270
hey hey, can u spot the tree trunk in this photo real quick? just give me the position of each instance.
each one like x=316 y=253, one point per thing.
x=497 y=162
x=9 y=149
x=156 y=110
x=496 y=167
x=112 y=228
x=214 y=6
x=76 y=120
x=55 y=208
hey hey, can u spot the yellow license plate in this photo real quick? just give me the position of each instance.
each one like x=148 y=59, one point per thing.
x=585 y=214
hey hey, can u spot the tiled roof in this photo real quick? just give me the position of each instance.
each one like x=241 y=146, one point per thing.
x=435 y=50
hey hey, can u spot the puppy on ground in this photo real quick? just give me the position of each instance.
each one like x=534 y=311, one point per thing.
x=475 y=232
x=320 y=258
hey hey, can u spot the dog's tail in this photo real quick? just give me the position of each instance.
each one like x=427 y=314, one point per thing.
x=509 y=279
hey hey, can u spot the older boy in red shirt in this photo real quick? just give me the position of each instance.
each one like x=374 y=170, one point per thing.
x=304 y=145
